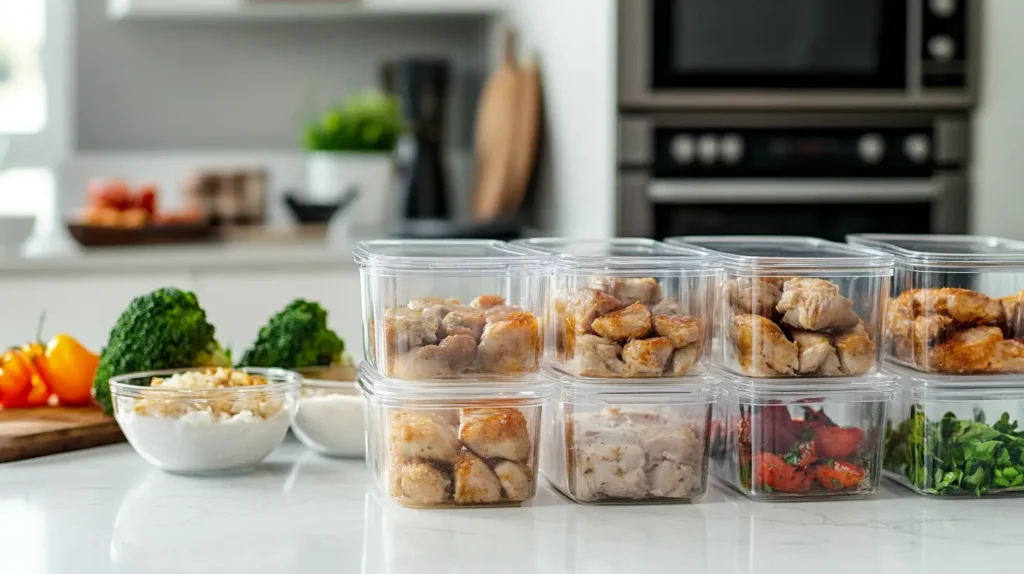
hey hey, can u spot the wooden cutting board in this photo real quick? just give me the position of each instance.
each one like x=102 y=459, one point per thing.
x=527 y=136
x=495 y=135
x=28 y=433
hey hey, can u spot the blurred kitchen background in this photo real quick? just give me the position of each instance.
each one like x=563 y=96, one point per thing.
x=239 y=147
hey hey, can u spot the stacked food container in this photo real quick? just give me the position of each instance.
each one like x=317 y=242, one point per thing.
x=802 y=408
x=453 y=345
x=955 y=338
x=627 y=332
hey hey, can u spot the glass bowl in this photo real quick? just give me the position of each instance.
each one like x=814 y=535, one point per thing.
x=330 y=418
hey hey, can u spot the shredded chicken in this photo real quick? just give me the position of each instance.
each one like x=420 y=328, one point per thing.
x=758 y=295
x=761 y=347
x=632 y=322
x=815 y=305
x=475 y=482
x=598 y=357
x=645 y=290
x=647 y=357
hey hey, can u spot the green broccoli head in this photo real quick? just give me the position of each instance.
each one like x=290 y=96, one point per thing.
x=165 y=329
x=296 y=338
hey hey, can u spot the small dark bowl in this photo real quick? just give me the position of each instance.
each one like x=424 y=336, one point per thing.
x=317 y=213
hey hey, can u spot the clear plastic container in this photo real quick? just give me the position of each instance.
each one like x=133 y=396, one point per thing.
x=450 y=309
x=812 y=439
x=463 y=445
x=204 y=430
x=948 y=437
x=330 y=418
x=957 y=304
x=797 y=306
x=628 y=443
x=627 y=308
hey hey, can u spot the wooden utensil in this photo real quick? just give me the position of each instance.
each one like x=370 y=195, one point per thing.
x=527 y=135
x=28 y=433
x=495 y=134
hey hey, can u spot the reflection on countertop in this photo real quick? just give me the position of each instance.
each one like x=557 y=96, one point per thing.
x=105 y=510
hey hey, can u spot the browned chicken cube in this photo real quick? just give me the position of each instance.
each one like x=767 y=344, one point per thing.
x=516 y=480
x=962 y=305
x=455 y=355
x=420 y=483
x=598 y=357
x=405 y=329
x=583 y=306
x=684 y=358
x=464 y=322
x=815 y=305
x=816 y=354
x=438 y=313
x=758 y=295
x=976 y=350
x=488 y=301
x=631 y=322
x=645 y=290
x=475 y=482
x=762 y=349
x=511 y=345
x=496 y=433
x=421 y=303
x=413 y=434
x=647 y=357
x=856 y=350
x=681 y=330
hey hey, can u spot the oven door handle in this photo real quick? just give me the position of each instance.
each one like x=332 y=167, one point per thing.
x=792 y=191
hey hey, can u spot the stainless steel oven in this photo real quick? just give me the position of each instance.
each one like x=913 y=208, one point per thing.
x=821 y=54
x=782 y=173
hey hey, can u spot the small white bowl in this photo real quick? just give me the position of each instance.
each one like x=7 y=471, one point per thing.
x=330 y=418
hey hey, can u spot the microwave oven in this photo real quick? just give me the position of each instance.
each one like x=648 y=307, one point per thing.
x=797 y=54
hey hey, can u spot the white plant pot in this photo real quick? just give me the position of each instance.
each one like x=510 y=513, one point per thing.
x=329 y=175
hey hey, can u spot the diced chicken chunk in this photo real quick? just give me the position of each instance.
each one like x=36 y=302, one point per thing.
x=645 y=290
x=421 y=435
x=487 y=301
x=421 y=303
x=758 y=295
x=464 y=322
x=475 y=482
x=583 y=306
x=502 y=312
x=962 y=305
x=856 y=350
x=671 y=479
x=681 y=330
x=815 y=305
x=631 y=322
x=516 y=480
x=598 y=357
x=496 y=433
x=647 y=357
x=405 y=329
x=420 y=482
x=510 y=346
x=454 y=355
x=610 y=469
x=761 y=347
x=816 y=353
x=684 y=358
x=977 y=350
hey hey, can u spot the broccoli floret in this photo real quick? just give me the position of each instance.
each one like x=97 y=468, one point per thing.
x=165 y=329
x=296 y=338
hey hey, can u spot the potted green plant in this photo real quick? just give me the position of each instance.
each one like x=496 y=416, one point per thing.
x=352 y=145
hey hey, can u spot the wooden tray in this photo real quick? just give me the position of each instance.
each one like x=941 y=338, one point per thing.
x=28 y=433
x=95 y=236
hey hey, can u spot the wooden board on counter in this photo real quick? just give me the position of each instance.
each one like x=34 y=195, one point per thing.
x=28 y=433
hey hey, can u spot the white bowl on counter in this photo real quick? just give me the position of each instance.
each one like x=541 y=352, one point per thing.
x=330 y=418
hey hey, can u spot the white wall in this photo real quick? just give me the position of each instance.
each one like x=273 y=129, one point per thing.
x=998 y=167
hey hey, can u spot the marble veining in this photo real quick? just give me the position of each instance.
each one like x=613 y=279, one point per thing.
x=106 y=510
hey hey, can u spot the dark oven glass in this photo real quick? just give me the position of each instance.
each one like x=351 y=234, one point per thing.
x=812 y=44
x=826 y=220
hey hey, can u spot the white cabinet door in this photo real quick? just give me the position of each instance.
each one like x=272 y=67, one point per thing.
x=239 y=303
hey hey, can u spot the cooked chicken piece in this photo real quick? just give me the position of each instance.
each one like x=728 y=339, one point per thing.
x=405 y=329
x=510 y=346
x=762 y=349
x=681 y=330
x=647 y=357
x=413 y=434
x=667 y=307
x=931 y=328
x=962 y=305
x=975 y=350
x=475 y=482
x=420 y=482
x=516 y=480
x=496 y=433
x=684 y=358
x=453 y=356
x=464 y=322
x=438 y=313
x=815 y=353
x=757 y=295
x=598 y=357
x=675 y=443
x=1013 y=315
x=421 y=303
x=583 y=306
x=612 y=469
x=630 y=322
x=645 y=290
x=488 y=301
x=856 y=350
x=671 y=479
x=502 y=312
x=815 y=305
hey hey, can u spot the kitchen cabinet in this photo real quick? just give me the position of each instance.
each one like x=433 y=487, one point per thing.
x=290 y=9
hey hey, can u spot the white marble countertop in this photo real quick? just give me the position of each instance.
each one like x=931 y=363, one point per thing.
x=105 y=510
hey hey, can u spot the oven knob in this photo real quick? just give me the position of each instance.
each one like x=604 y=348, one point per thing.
x=707 y=148
x=942 y=8
x=917 y=147
x=683 y=149
x=871 y=148
x=732 y=148
x=942 y=48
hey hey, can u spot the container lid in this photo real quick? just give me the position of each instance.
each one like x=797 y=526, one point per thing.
x=447 y=254
x=758 y=254
x=379 y=386
x=865 y=387
x=697 y=389
x=622 y=255
x=945 y=250
x=957 y=387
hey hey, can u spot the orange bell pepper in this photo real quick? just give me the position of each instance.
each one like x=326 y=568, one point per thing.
x=19 y=381
x=69 y=369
